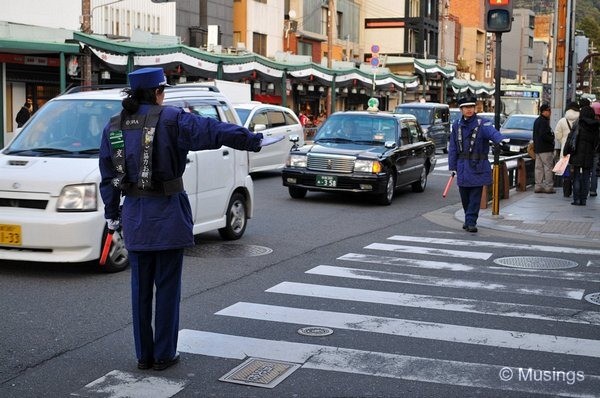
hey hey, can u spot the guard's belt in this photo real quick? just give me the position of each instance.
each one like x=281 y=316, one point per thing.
x=159 y=188
x=473 y=156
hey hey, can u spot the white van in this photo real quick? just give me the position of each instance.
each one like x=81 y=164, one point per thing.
x=50 y=205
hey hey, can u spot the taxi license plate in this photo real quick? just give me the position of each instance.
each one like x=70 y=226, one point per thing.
x=10 y=234
x=515 y=148
x=326 y=181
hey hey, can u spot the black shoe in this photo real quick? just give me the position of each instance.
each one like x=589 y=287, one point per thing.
x=575 y=203
x=464 y=226
x=162 y=365
x=593 y=194
x=471 y=228
x=144 y=365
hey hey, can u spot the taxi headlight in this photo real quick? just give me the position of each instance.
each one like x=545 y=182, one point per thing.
x=367 y=166
x=296 y=161
x=81 y=197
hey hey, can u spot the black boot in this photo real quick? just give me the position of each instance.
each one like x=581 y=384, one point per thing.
x=567 y=187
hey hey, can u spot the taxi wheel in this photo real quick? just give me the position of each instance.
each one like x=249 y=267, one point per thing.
x=236 y=218
x=117 y=259
x=385 y=198
x=419 y=186
x=297 y=193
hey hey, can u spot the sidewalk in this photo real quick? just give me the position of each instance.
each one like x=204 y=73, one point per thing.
x=545 y=215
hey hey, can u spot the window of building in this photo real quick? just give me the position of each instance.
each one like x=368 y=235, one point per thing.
x=324 y=12
x=261 y=1
x=305 y=48
x=259 y=43
x=339 y=24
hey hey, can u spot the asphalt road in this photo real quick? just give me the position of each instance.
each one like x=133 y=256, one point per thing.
x=416 y=309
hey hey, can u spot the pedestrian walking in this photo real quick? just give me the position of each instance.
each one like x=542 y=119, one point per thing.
x=143 y=155
x=543 y=145
x=561 y=132
x=468 y=151
x=582 y=158
x=596 y=164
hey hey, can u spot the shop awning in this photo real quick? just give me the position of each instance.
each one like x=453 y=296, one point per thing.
x=472 y=86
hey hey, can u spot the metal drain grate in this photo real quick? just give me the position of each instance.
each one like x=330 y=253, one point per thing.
x=535 y=262
x=315 y=331
x=226 y=250
x=593 y=298
x=260 y=372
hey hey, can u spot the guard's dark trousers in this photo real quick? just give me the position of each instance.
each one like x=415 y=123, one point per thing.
x=163 y=270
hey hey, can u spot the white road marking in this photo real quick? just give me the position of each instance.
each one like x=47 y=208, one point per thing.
x=442 y=265
x=417 y=329
x=380 y=364
x=494 y=308
x=118 y=384
x=364 y=274
x=429 y=251
x=475 y=243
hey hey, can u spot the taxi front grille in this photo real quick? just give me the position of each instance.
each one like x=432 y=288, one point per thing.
x=338 y=164
x=24 y=203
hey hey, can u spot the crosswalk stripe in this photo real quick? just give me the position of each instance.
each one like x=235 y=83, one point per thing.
x=417 y=329
x=429 y=251
x=495 y=308
x=475 y=243
x=340 y=359
x=442 y=265
x=364 y=274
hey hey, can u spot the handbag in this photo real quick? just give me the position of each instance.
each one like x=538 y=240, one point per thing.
x=561 y=165
x=530 y=150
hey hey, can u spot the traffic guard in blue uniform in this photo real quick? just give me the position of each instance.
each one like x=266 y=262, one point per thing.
x=142 y=157
x=468 y=152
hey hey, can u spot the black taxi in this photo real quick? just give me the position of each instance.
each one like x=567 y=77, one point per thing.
x=367 y=152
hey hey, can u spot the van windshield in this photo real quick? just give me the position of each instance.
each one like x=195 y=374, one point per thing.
x=65 y=127
x=423 y=115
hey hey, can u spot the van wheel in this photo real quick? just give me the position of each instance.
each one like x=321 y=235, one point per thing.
x=297 y=193
x=117 y=259
x=236 y=218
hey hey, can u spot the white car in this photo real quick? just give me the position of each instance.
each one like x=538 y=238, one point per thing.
x=271 y=121
x=51 y=207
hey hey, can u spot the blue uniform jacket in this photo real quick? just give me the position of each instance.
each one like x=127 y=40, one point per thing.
x=164 y=222
x=476 y=171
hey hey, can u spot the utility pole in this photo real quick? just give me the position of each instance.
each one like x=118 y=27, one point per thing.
x=86 y=27
x=330 y=21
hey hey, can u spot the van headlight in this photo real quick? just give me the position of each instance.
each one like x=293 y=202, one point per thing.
x=80 y=197
x=296 y=161
x=367 y=166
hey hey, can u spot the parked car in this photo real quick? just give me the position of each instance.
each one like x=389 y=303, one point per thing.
x=359 y=151
x=518 y=129
x=51 y=210
x=271 y=121
x=434 y=119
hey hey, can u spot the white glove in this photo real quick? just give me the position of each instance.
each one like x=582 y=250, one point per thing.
x=113 y=225
x=270 y=140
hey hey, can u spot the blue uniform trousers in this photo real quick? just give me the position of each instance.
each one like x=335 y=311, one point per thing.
x=163 y=270
x=471 y=202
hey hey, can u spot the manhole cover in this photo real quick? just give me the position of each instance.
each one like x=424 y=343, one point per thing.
x=593 y=298
x=315 y=331
x=260 y=372
x=535 y=262
x=226 y=250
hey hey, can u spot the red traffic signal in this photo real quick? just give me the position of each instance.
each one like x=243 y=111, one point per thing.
x=498 y=15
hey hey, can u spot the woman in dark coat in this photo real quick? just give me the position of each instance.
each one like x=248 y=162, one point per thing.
x=582 y=160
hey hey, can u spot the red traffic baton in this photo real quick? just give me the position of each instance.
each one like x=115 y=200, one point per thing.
x=106 y=247
x=448 y=184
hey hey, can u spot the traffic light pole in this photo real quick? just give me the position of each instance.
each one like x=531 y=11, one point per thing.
x=497 y=106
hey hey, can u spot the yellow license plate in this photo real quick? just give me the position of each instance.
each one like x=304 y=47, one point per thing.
x=10 y=235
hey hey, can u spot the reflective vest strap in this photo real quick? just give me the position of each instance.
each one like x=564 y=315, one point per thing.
x=149 y=131
x=117 y=150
